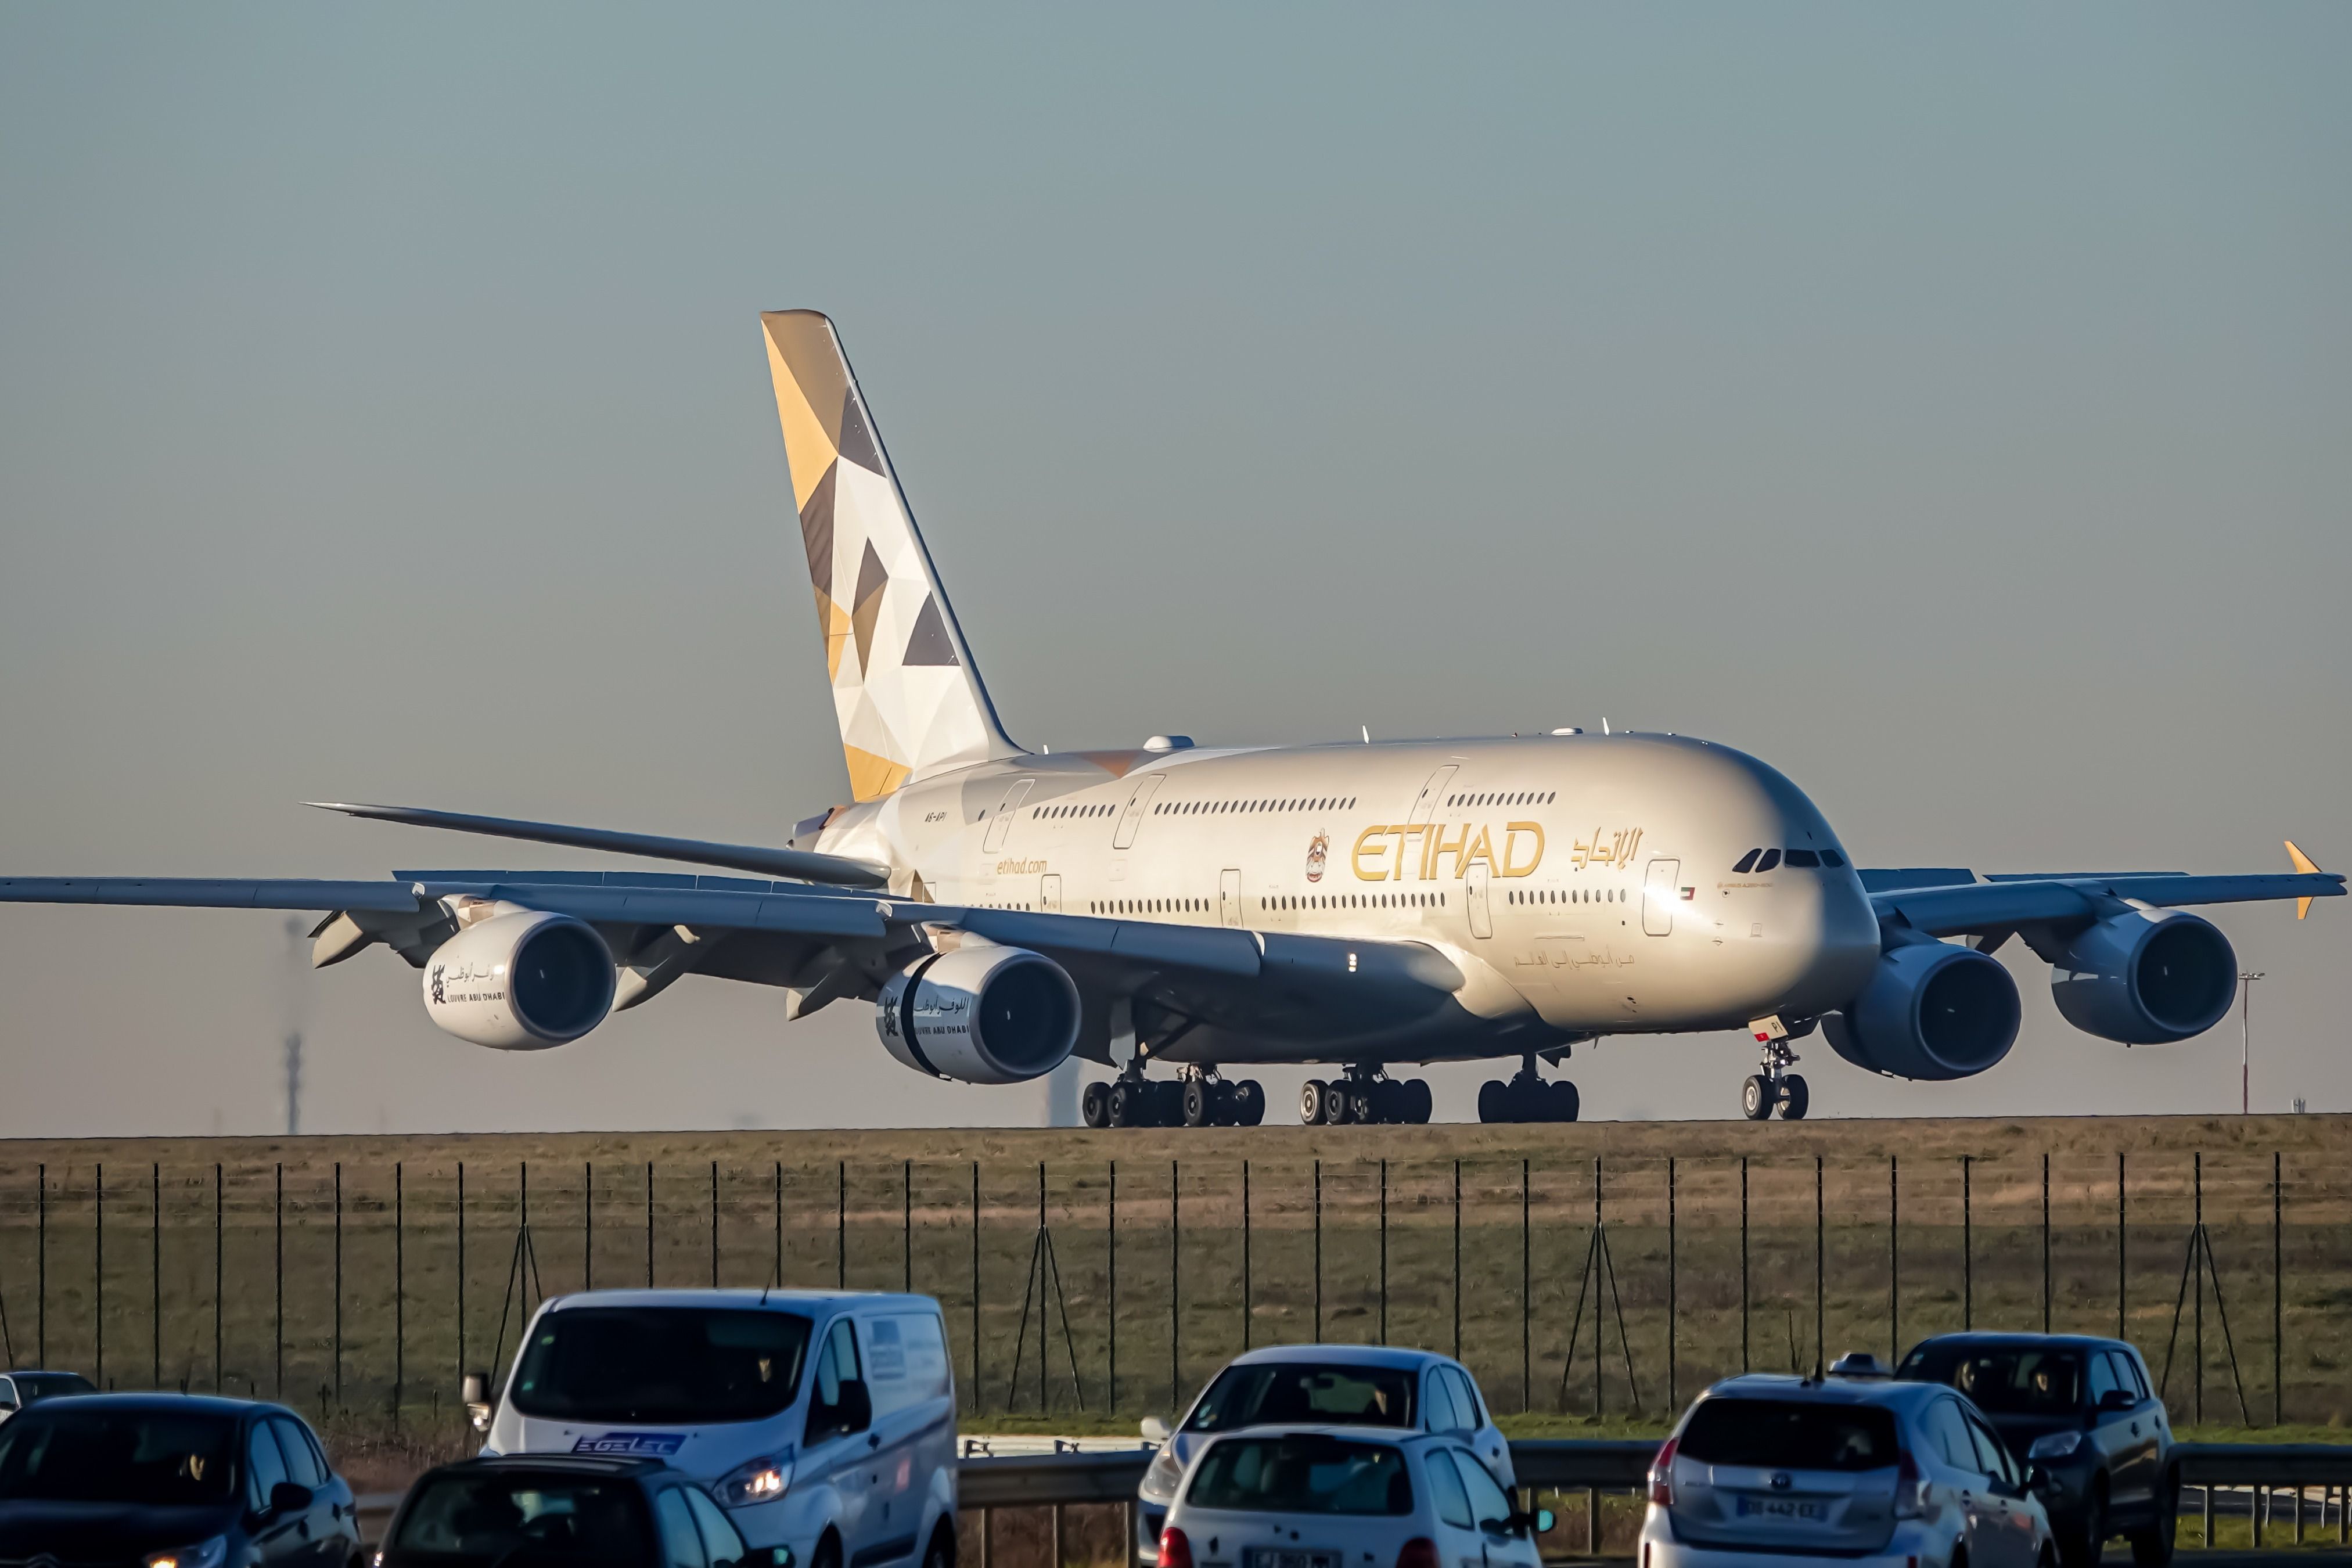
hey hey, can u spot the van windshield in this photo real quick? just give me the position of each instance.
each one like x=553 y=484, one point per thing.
x=682 y=1365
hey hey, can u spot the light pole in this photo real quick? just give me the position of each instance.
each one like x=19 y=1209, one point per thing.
x=2246 y=978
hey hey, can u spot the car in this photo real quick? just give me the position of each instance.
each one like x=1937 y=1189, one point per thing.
x=565 y=1508
x=171 y=1480
x=821 y=1421
x=1866 y=1470
x=1332 y=1497
x=19 y=1389
x=2082 y=1412
x=1358 y=1386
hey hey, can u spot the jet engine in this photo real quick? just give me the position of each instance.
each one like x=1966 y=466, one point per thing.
x=981 y=1014
x=1931 y=1011
x=2146 y=978
x=521 y=981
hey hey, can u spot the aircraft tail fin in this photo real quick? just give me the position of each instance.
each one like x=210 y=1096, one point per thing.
x=908 y=698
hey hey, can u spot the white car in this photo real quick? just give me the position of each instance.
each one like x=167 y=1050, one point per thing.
x=1303 y=1386
x=1345 y=1497
x=1901 y=1475
x=822 y=1421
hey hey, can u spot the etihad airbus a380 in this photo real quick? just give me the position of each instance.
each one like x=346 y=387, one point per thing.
x=1201 y=910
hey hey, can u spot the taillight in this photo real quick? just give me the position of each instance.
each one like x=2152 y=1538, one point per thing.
x=1662 y=1476
x=1421 y=1552
x=1910 y=1489
x=1175 y=1551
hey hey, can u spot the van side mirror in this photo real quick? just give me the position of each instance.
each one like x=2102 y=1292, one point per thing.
x=2117 y=1399
x=1542 y=1520
x=854 y=1412
x=1155 y=1429
x=290 y=1497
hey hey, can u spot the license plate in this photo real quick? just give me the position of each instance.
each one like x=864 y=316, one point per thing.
x=1291 y=1557
x=1778 y=1508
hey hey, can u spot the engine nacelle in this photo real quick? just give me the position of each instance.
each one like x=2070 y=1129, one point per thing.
x=2146 y=979
x=1931 y=1011
x=982 y=1014
x=521 y=981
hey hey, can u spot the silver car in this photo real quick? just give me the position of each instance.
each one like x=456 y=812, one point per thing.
x=1861 y=1469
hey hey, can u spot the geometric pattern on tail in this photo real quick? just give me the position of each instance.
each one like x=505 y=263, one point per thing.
x=905 y=693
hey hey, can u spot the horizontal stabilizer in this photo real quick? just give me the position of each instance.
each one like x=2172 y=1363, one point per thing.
x=799 y=865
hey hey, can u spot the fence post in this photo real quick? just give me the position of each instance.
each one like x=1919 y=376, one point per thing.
x=780 y=1225
x=1110 y=1293
x=1318 y=1251
x=399 y=1290
x=2122 y=1228
x=841 y=1225
x=907 y=1222
x=1968 y=1251
x=220 y=1381
x=587 y=1224
x=975 y=1287
x=97 y=1271
x=1175 y=1283
x=1820 y=1272
x=1743 y=1263
x=41 y=1259
x=461 y=1269
x=1893 y=1259
x=2278 y=1311
x=649 y=1225
x=714 y=1224
x=338 y=1285
x=155 y=1265
x=1527 y=1298
x=1384 y=1252
x=1597 y=1256
x=277 y=1223
x=1245 y=1254
x=1674 y=1302
x=2046 y=1242
x=1457 y=1260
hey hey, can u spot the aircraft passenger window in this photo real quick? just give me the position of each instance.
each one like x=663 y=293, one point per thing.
x=1803 y=857
x=1831 y=857
x=1747 y=863
x=1771 y=858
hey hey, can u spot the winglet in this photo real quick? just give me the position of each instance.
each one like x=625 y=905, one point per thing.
x=2304 y=864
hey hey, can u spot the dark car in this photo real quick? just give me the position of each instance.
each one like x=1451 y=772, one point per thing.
x=2081 y=1412
x=521 y=1510
x=19 y=1389
x=171 y=1480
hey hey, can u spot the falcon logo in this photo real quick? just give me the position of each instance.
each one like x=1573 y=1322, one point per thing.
x=1316 y=852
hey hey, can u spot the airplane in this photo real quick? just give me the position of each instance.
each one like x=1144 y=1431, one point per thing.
x=1357 y=904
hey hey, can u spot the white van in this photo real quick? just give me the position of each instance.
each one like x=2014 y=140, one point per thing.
x=822 y=1421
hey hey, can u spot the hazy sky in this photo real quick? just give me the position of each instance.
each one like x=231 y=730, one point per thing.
x=1951 y=406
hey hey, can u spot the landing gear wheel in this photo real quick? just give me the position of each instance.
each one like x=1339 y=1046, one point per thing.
x=1419 y=1102
x=1565 y=1101
x=1122 y=1103
x=1495 y=1102
x=1794 y=1098
x=1757 y=1097
x=1197 y=1106
x=1367 y=1104
x=1310 y=1101
x=1094 y=1105
x=1336 y=1105
x=1248 y=1102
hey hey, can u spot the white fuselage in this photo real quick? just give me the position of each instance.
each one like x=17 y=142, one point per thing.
x=1585 y=882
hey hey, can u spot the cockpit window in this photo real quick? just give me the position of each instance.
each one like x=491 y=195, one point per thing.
x=1831 y=857
x=1804 y=857
x=1771 y=858
x=1747 y=863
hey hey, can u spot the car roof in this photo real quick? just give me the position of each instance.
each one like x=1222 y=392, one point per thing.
x=1343 y=1355
x=1394 y=1436
x=1782 y=1385
x=212 y=1403
x=571 y=1464
x=1990 y=1339
x=802 y=1302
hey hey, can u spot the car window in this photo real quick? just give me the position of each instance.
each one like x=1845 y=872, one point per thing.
x=7 y=1395
x=1440 y=1416
x=2104 y=1380
x=837 y=1371
x=1487 y=1500
x=2003 y=1380
x=720 y=1542
x=1301 y=1472
x=523 y=1516
x=263 y=1466
x=1445 y=1490
x=1991 y=1458
x=2132 y=1368
x=1269 y=1394
x=1797 y=1434
x=681 y=1542
x=1947 y=1429
x=1466 y=1395
x=302 y=1465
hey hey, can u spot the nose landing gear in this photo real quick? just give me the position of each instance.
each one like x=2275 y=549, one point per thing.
x=1774 y=1086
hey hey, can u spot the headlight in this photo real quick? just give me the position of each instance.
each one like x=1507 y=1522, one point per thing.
x=2056 y=1445
x=204 y=1555
x=1165 y=1474
x=756 y=1481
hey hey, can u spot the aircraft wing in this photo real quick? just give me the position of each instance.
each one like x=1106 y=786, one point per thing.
x=1964 y=906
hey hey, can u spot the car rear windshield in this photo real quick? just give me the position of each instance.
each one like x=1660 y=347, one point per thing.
x=34 y=1386
x=489 y=1517
x=683 y=1365
x=1790 y=1434
x=1280 y=1394
x=2003 y=1380
x=1302 y=1474
x=62 y=1454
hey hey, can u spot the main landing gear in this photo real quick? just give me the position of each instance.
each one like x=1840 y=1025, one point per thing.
x=1201 y=1098
x=1528 y=1097
x=1364 y=1097
x=1774 y=1086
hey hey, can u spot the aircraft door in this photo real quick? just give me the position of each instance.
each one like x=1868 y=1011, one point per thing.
x=1658 y=896
x=1001 y=823
x=1229 y=897
x=1049 y=893
x=1432 y=795
x=1473 y=896
x=1137 y=805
